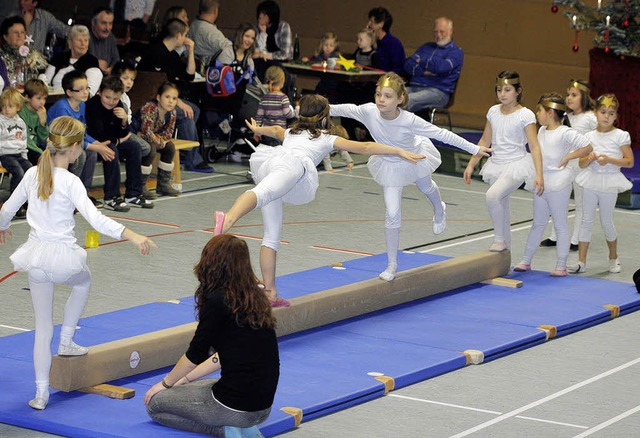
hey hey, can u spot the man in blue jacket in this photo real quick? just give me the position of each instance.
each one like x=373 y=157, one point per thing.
x=434 y=69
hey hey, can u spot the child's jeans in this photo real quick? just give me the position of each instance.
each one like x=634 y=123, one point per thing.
x=16 y=165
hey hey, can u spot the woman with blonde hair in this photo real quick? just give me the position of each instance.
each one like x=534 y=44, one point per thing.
x=51 y=255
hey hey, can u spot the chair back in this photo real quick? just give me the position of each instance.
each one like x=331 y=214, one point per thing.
x=145 y=88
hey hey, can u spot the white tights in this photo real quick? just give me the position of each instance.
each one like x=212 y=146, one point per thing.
x=607 y=202
x=393 y=219
x=498 y=204
x=577 y=199
x=556 y=204
x=42 y=285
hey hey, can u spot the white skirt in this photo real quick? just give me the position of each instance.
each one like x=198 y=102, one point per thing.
x=63 y=259
x=556 y=180
x=609 y=182
x=392 y=171
x=266 y=158
x=518 y=170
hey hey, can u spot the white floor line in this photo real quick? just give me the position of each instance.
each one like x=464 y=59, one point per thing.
x=444 y=404
x=451 y=405
x=551 y=422
x=608 y=422
x=15 y=328
x=571 y=388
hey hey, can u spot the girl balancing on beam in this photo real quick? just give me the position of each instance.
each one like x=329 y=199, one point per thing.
x=288 y=174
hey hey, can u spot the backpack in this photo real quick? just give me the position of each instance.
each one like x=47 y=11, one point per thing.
x=220 y=80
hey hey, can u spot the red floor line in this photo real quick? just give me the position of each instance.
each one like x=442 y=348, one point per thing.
x=6 y=277
x=348 y=251
x=142 y=221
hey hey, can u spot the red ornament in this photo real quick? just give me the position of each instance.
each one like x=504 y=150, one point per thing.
x=575 y=48
x=625 y=23
x=606 y=50
x=554 y=8
x=622 y=57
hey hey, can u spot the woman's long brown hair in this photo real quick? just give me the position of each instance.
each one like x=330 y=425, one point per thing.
x=225 y=263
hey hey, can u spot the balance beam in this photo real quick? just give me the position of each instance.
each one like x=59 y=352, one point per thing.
x=151 y=351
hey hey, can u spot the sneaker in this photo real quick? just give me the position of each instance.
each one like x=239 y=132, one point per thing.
x=573 y=247
x=38 y=403
x=116 y=204
x=139 y=201
x=236 y=157
x=614 y=266
x=202 y=168
x=498 y=246
x=95 y=202
x=559 y=273
x=439 y=227
x=522 y=267
x=72 y=349
x=548 y=242
x=579 y=268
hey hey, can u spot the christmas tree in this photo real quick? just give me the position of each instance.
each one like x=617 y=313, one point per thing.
x=615 y=23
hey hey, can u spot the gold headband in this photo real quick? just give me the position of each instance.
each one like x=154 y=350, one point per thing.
x=317 y=117
x=579 y=86
x=553 y=105
x=65 y=140
x=500 y=82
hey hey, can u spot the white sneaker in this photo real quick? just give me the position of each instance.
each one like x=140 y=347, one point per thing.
x=498 y=246
x=72 y=349
x=439 y=227
x=614 y=266
x=38 y=403
x=578 y=268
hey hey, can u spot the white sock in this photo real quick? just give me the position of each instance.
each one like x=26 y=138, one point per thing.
x=66 y=335
x=42 y=389
x=392 y=236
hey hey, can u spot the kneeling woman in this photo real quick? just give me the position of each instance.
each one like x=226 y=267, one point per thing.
x=235 y=321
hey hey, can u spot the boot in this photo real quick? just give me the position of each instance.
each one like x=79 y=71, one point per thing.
x=145 y=177
x=164 y=180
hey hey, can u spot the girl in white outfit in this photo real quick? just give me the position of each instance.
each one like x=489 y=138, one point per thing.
x=288 y=174
x=509 y=127
x=559 y=144
x=602 y=180
x=388 y=123
x=580 y=112
x=51 y=255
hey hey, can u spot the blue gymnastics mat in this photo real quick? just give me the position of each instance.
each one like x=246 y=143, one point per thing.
x=409 y=343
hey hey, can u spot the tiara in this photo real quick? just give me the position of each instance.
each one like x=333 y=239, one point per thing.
x=65 y=140
x=316 y=117
x=553 y=105
x=507 y=81
x=607 y=101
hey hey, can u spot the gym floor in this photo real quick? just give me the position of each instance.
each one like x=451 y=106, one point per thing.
x=580 y=385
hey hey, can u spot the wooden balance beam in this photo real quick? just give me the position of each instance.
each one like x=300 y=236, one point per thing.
x=151 y=351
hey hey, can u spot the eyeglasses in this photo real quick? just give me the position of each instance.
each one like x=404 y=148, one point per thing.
x=80 y=90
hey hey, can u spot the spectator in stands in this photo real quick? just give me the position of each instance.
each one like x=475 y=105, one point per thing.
x=434 y=69
x=76 y=58
x=14 y=37
x=103 y=43
x=162 y=56
x=274 y=41
x=38 y=22
x=390 y=50
x=208 y=39
x=136 y=12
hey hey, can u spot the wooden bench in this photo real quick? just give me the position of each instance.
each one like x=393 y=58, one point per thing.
x=180 y=145
x=2 y=172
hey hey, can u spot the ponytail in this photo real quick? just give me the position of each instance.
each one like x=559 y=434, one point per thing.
x=45 y=174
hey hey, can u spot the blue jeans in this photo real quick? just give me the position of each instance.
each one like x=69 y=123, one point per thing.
x=192 y=407
x=187 y=130
x=424 y=97
x=131 y=152
x=16 y=165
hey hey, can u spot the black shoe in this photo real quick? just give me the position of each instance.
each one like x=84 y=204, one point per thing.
x=95 y=202
x=573 y=247
x=202 y=167
x=116 y=204
x=139 y=201
x=548 y=242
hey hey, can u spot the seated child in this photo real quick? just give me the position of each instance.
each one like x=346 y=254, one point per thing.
x=274 y=108
x=328 y=48
x=365 y=54
x=13 y=140
x=107 y=121
x=76 y=87
x=326 y=162
x=127 y=73
x=34 y=115
x=155 y=123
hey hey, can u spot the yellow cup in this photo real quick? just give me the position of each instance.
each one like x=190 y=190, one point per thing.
x=93 y=239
